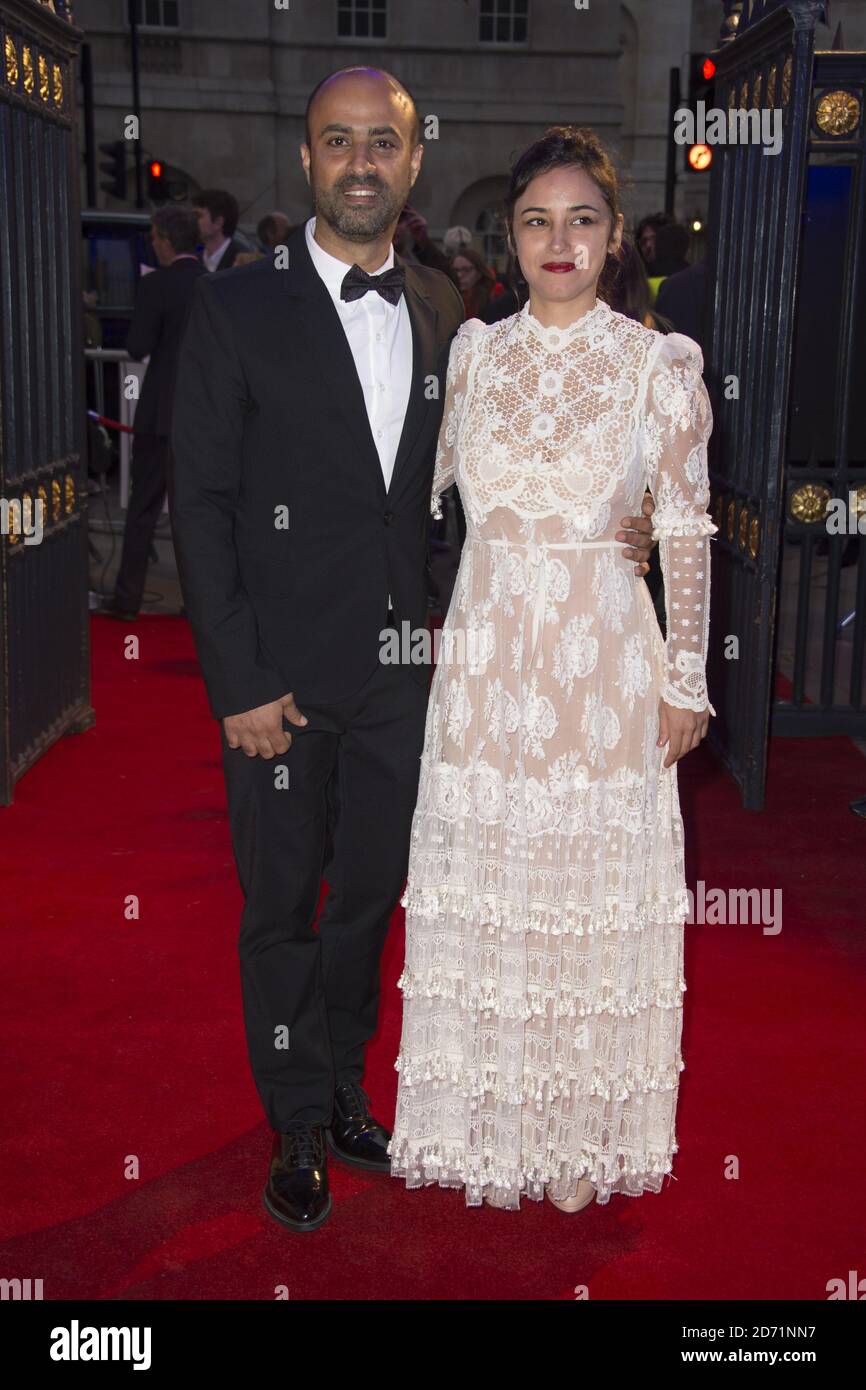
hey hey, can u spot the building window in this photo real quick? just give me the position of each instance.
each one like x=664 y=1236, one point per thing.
x=157 y=14
x=361 y=19
x=503 y=21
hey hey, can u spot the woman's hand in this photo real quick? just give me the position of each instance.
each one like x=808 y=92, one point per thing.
x=682 y=729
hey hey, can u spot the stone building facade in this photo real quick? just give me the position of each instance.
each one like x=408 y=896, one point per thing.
x=224 y=85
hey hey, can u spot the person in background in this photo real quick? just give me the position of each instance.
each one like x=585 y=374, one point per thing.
x=218 y=215
x=682 y=300
x=162 y=303
x=475 y=281
x=412 y=242
x=671 y=251
x=90 y=319
x=645 y=236
x=456 y=239
x=273 y=230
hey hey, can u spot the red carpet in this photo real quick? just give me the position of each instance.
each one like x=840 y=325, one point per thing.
x=123 y=1044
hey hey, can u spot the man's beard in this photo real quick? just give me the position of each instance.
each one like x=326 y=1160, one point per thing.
x=359 y=223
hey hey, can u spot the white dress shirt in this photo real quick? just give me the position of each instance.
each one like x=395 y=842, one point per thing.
x=379 y=335
x=211 y=259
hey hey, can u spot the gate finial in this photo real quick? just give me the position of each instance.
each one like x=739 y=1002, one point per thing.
x=731 y=22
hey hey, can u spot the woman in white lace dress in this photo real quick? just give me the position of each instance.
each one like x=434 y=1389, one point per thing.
x=546 y=895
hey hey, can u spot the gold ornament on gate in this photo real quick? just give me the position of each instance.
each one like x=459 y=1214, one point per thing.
x=756 y=93
x=69 y=493
x=753 y=537
x=771 y=87
x=809 y=503
x=730 y=524
x=55 y=500
x=743 y=527
x=58 y=85
x=44 y=80
x=837 y=113
x=11 y=61
x=29 y=79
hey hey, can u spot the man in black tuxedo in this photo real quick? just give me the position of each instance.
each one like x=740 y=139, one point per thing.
x=309 y=402
x=162 y=304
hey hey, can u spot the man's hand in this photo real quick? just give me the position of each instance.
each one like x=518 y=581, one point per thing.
x=638 y=534
x=682 y=729
x=259 y=732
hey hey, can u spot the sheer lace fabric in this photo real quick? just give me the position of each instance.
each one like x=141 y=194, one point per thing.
x=546 y=897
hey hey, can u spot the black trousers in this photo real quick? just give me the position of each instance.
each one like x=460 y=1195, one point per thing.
x=147 y=494
x=311 y=997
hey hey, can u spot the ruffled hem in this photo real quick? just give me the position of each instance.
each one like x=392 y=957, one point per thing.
x=534 y=1087
x=421 y=1165
x=484 y=995
x=490 y=909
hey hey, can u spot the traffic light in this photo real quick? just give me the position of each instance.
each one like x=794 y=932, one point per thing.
x=115 y=167
x=702 y=70
x=157 y=190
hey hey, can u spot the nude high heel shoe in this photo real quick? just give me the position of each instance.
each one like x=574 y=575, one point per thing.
x=582 y=1198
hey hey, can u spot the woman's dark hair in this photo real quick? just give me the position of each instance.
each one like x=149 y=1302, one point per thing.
x=478 y=297
x=486 y=276
x=630 y=292
x=569 y=147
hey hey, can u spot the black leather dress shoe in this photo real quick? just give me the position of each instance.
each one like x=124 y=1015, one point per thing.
x=355 y=1137
x=112 y=610
x=297 y=1193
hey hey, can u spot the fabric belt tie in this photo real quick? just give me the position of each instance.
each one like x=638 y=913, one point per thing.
x=537 y=553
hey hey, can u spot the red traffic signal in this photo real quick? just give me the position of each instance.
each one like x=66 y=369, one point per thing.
x=157 y=191
x=708 y=69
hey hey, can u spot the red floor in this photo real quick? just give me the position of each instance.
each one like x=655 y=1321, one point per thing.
x=123 y=1045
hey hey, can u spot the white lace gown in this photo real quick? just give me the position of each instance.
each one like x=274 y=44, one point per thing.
x=546 y=895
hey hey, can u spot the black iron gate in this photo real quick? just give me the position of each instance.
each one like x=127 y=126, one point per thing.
x=822 y=630
x=756 y=336
x=44 y=676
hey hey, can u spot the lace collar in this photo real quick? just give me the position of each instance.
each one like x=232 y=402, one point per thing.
x=555 y=339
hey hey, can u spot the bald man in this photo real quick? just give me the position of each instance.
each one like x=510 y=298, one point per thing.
x=309 y=401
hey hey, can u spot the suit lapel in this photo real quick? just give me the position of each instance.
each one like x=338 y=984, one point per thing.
x=331 y=350
x=422 y=316
x=337 y=365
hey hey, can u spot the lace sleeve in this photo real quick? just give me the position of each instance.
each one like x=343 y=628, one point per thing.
x=455 y=392
x=677 y=427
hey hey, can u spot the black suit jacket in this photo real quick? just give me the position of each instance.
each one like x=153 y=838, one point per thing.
x=682 y=300
x=162 y=303
x=270 y=416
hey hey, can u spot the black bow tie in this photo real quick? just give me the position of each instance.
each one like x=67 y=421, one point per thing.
x=356 y=283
